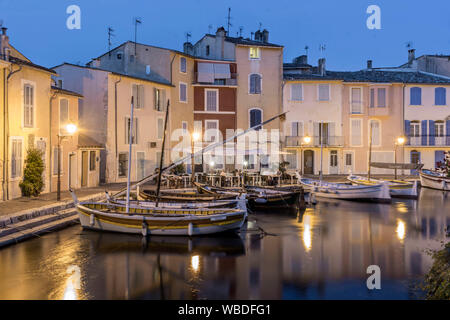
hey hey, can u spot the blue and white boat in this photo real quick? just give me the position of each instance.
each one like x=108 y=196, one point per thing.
x=377 y=192
x=434 y=180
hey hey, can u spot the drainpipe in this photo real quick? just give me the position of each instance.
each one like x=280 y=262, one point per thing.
x=5 y=181
x=50 y=143
x=115 y=126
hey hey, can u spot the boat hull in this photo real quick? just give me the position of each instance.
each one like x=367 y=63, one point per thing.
x=182 y=225
x=434 y=182
x=379 y=193
x=185 y=197
x=398 y=189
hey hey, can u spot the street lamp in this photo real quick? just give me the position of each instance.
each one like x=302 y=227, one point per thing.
x=306 y=140
x=70 y=129
x=398 y=142
x=195 y=137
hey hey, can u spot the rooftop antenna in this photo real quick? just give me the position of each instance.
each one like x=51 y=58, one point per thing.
x=137 y=21
x=241 y=28
x=306 y=49
x=110 y=34
x=188 y=35
x=409 y=44
x=260 y=26
x=229 y=21
x=209 y=28
x=322 y=49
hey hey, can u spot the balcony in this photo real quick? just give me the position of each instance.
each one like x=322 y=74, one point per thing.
x=428 y=140
x=328 y=141
x=218 y=82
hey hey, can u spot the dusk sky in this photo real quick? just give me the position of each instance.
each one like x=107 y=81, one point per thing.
x=38 y=28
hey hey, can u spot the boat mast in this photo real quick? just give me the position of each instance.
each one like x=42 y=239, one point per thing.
x=158 y=188
x=130 y=141
x=370 y=149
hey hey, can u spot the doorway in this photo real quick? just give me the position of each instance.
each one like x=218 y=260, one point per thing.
x=308 y=163
x=334 y=162
x=415 y=158
x=84 y=168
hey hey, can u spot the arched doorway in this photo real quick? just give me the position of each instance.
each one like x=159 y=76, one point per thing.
x=308 y=162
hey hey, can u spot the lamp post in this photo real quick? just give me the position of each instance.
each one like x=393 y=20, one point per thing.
x=398 y=142
x=306 y=140
x=195 y=137
x=70 y=130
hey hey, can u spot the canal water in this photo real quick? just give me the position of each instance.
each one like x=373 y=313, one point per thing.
x=321 y=253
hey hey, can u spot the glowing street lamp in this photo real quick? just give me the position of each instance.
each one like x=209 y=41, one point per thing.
x=69 y=131
x=399 y=141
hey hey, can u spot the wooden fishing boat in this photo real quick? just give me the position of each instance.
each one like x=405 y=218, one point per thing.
x=262 y=199
x=397 y=188
x=434 y=180
x=213 y=190
x=158 y=221
x=184 y=197
x=378 y=192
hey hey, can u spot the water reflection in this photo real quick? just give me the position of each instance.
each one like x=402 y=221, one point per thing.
x=321 y=253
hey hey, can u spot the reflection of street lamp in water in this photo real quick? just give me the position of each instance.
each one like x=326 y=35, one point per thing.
x=69 y=131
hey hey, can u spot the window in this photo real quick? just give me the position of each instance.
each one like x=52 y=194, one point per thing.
x=440 y=97
x=255 y=118
x=416 y=96
x=255 y=83
x=356 y=100
x=147 y=69
x=28 y=106
x=264 y=161
x=55 y=160
x=348 y=159
x=254 y=53
x=296 y=92
x=16 y=158
x=375 y=128
x=159 y=99
x=138 y=96
x=372 y=98
x=183 y=92
x=119 y=56
x=158 y=158
x=355 y=130
x=296 y=128
x=123 y=164
x=381 y=97
x=212 y=128
x=333 y=158
x=134 y=138
x=184 y=126
x=207 y=50
x=439 y=128
x=415 y=129
x=183 y=64
x=292 y=159
x=92 y=160
x=211 y=100
x=160 y=126
x=250 y=159
x=324 y=92
x=63 y=115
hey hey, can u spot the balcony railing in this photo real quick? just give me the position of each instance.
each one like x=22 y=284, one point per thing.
x=429 y=140
x=327 y=141
x=219 y=82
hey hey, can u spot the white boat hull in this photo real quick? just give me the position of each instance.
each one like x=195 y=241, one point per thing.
x=400 y=189
x=434 y=182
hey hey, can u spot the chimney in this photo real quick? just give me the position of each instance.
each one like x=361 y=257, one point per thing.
x=220 y=43
x=265 y=36
x=411 y=56
x=259 y=36
x=188 y=48
x=321 y=66
x=303 y=59
x=4 y=45
x=369 y=64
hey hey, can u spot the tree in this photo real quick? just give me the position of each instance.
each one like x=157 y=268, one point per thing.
x=32 y=183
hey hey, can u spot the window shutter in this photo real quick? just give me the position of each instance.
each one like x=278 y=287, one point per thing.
x=424 y=132
x=294 y=129
x=141 y=96
x=372 y=98
x=381 y=97
x=258 y=84
x=407 y=131
x=163 y=100
x=252 y=84
x=134 y=93
x=135 y=130
x=432 y=133
x=155 y=99
x=447 y=132
x=127 y=131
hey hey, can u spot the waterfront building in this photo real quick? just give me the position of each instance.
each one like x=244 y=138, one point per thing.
x=256 y=84
x=27 y=120
x=431 y=63
x=105 y=118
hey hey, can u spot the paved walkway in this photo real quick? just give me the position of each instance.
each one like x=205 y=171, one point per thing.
x=25 y=203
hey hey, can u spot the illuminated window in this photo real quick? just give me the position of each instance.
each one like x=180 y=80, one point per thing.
x=255 y=53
